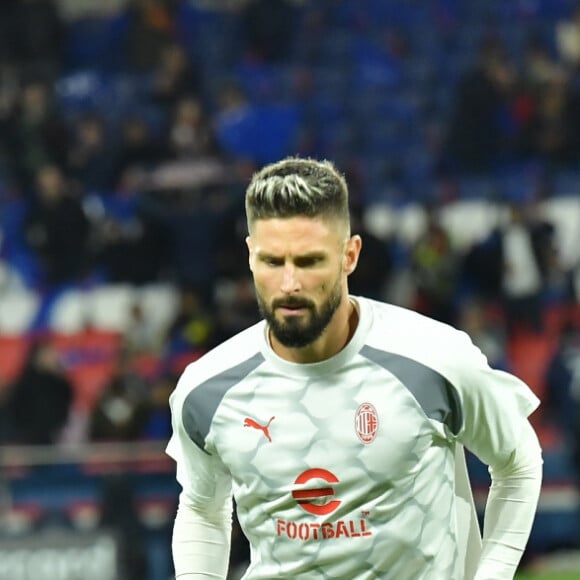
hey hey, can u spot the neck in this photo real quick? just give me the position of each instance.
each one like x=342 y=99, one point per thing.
x=334 y=338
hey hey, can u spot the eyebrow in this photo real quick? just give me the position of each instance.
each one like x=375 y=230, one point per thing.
x=316 y=255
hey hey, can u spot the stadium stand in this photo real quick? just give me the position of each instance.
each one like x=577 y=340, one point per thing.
x=382 y=87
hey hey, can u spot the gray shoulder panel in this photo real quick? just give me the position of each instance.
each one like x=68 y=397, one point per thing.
x=200 y=405
x=433 y=392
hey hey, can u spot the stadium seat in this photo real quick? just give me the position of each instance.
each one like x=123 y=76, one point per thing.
x=69 y=312
x=529 y=354
x=17 y=311
x=13 y=353
x=566 y=183
x=89 y=379
x=411 y=220
x=160 y=303
x=564 y=213
x=21 y=518
x=469 y=221
x=87 y=345
x=84 y=514
x=89 y=358
x=110 y=306
x=380 y=220
x=261 y=133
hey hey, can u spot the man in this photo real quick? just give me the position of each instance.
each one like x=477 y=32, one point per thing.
x=338 y=422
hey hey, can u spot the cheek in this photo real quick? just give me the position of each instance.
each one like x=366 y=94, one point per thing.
x=321 y=285
x=264 y=283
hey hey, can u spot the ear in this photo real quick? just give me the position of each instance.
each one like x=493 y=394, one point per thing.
x=250 y=246
x=352 y=253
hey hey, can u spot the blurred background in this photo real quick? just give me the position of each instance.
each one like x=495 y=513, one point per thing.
x=128 y=132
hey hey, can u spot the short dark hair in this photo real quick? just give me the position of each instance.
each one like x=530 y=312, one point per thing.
x=298 y=187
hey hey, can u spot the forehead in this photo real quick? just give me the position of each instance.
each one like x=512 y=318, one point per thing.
x=296 y=235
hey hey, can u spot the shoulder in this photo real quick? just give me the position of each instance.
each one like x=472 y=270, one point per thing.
x=425 y=340
x=231 y=361
x=408 y=325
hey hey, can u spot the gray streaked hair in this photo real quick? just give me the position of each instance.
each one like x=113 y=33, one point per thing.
x=297 y=187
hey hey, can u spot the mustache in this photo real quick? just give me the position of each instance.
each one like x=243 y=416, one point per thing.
x=292 y=302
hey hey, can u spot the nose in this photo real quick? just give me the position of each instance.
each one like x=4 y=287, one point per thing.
x=290 y=283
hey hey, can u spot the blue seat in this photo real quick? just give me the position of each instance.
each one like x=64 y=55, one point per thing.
x=87 y=43
x=374 y=67
x=477 y=187
x=262 y=133
x=566 y=183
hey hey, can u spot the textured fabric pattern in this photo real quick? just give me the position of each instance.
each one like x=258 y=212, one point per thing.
x=345 y=468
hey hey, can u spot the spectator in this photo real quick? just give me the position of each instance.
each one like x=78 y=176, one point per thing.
x=149 y=27
x=567 y=37
x=134 y=250
x=194 y=326
x=122 y=411
x=174 y=77
x=476 y=138
x=91 y=157
x=375 y=265
x=40 y=401
x=539 y=66
x=36 y=34
x=57 y=229
x=158 y=425
x=435 y=270
x=190 y=133
x=519 y=260
x=487 y=332
x=7 y=32
x=140 y=149
x=562 y=381
x=269 y=27
x=34 y=135
x=142 y=336
x=551 y=133
x=232 y=103
x=195 y=222
x=562 y=401
x=236 y=307
x=119 y=514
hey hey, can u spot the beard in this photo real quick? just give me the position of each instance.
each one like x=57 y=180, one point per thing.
x=300 y=331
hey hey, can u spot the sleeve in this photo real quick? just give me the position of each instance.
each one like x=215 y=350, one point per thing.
x=494 y=404
x=495 y=407
x=510 y=509
x=202 y=528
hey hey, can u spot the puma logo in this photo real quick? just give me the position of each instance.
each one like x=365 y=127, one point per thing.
x=265 y=429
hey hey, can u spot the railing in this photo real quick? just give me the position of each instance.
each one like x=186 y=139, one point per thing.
x=16 y=456
x=52 y=510
x=74 y=9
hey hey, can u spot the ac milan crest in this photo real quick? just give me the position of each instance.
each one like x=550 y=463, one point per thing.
x=366 y=423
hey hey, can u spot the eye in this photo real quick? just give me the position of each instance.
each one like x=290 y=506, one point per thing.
x=308 y=261
x=272 y=261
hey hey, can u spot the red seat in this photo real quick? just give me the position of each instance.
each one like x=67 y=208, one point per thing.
x=147 y=365
x=89 y=379
x=105 y=342
x=529 y=355
x=13 y=352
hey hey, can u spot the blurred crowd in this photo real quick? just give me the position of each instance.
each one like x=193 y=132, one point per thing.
x=127 y=138
x=129 y=130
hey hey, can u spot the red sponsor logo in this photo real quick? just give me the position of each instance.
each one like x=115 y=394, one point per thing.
x=310 y=498
x=265 y=429
x=315 y=496
x=366 y=423
x=327 y=531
